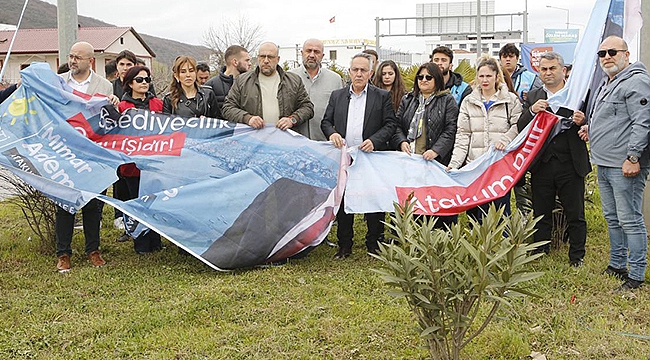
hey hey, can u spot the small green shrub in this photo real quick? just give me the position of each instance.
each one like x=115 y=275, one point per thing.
x=446 y=276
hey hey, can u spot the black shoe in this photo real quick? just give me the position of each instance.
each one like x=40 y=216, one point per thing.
x=577 y=263
x=343 y=253
x=620 y=274
x=630 y=284
x=373 y=249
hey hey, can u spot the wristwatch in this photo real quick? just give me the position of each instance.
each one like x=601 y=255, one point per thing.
x=632 y=158
x=293 y=120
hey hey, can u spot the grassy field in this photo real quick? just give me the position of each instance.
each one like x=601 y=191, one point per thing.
x=171 y=306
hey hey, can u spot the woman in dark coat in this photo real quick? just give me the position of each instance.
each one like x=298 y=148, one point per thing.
x=426 y=120
x=137 y=95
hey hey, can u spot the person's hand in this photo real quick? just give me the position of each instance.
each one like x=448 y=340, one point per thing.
x=500 y=146
x=429 y=155
x=583 y=133
x=448 y=168
x=256 y=122
x=539 y=105
x=631 y=169
x=284 y=123
x=337 y=140
x=524 y=95
x=367 y=146
x=579 y=117
x=114 y=100
x=405 y=147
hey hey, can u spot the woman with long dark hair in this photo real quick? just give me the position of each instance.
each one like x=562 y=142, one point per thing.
x=137 y=94
x=388 y=77
x=427 y=121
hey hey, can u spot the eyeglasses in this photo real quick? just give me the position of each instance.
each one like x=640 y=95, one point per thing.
x=361 y=70
x=140 y=79
x=422 y=77
x=269 y=57
x=76 y=57
x=611 y=52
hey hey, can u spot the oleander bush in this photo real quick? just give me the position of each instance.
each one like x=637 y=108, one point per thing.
x=447 y=277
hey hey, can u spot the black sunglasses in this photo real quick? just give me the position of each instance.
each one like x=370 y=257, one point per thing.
x=422 y=77
x=140 y=79
x=611 y=52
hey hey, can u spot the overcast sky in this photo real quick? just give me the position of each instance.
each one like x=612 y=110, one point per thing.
x=293 y=21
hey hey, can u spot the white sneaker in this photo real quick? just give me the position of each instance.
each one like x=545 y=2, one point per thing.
x=119 y=223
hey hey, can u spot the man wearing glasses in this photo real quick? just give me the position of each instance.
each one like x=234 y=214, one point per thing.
x=268 y=95
x=359 y=115
x=619 y=125
x=83 y=79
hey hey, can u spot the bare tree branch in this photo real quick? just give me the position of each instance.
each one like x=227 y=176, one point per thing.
x=240 y=31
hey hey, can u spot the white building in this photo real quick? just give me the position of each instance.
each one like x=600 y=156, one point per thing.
x=341 y=51
x=41 y=45
x=465 y=46
x=338 y=51
x=455 y=24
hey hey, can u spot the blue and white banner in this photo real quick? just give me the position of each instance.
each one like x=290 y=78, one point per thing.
x=231 y=195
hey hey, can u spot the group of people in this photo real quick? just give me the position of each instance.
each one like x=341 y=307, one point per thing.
x=443 y=119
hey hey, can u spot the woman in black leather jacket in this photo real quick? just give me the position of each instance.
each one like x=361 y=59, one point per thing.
x=426 y=121
x=186 y=98
x=427 y=118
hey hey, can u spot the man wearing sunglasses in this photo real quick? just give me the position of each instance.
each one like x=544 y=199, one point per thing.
x=619 y=125
x=83 y=79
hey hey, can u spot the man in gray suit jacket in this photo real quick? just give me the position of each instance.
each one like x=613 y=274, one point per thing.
x=359 y=115
x=83 y=79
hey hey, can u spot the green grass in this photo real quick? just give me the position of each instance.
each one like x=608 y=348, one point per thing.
x=170 y=306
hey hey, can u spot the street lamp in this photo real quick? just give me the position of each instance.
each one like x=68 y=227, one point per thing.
x=563 y=9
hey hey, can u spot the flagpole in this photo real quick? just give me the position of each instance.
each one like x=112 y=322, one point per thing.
x=11 y=45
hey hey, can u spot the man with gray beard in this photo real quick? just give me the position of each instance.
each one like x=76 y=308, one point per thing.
x=319 y=83
x=618 y=129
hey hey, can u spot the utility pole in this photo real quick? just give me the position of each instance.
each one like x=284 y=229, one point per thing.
x=66 y=14
x=377 y=34
x=479 y=46
x=526 y=22
x=644 y=57
x=644 y=41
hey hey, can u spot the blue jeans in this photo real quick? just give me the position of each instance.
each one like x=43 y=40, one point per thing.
x=622 y=198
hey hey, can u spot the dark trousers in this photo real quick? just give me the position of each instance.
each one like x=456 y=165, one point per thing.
x=480 y=211
x=64 y=227
x=555 y=177
x=149 y=241
x=345 y=231
x=120 y=192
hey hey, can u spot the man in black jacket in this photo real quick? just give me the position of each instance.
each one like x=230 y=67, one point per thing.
x=560 y=168
x=238 y=61
x=362 y=115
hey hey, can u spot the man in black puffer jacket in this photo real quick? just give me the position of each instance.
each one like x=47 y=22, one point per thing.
x=238 y=61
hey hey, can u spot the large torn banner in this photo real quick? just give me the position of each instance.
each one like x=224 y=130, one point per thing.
x=231 y=195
